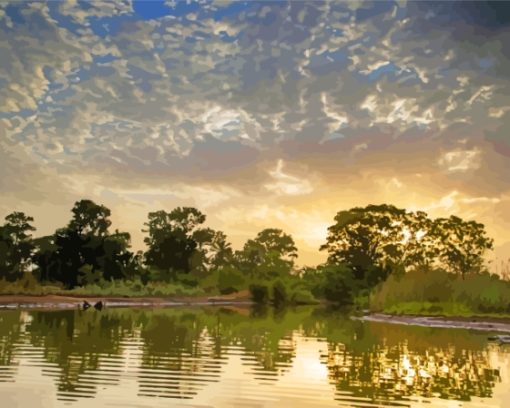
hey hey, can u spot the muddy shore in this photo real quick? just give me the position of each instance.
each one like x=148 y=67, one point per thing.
x=489 y=324
x=72 y=302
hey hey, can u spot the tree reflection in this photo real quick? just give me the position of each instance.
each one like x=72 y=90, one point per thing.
x=10 y=334
x=177 y=352
x=178 y=356
x=411 y=361
x=78 y=342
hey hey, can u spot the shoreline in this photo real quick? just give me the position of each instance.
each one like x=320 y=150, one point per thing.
x=13 y=302
x=489 y=324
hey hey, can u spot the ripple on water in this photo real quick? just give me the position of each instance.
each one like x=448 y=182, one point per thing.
x=212 y=357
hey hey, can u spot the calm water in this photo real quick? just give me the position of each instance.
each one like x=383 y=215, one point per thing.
x=239 y=358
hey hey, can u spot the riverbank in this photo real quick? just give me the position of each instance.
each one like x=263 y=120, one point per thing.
x=76 y=301
x=490 y=324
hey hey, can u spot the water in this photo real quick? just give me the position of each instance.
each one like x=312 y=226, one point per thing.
x=230 y=357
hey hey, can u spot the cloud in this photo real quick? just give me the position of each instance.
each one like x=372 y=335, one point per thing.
x=329 y=104
x=285 y=184
x=461 y=160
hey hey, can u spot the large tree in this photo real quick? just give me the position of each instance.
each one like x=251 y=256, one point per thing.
x=84 y=251
x=369 y=240
x=16 y=245
x=271 y=253
x=378 y=239
x=171 y=239
x=460 y=245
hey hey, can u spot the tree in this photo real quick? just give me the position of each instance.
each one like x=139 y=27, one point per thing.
x=171 y=239
x=222 y=250
x=340 y=285
x=16 y=245
x=117 y=261
x=461 y=244
x=370 y=240
x=90 y=219
x=270 y=254
x=379 y=239
x=84 y=251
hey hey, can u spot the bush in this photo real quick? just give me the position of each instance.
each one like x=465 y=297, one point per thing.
x=259 y=293
x=135 y=288
x=303 y=297
x=437 y=291
x=279 y=293
x=339 y=284
x=230 y=280
x=27 y=285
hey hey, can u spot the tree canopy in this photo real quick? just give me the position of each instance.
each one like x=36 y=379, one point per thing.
x=364 y=245
x=378 y=239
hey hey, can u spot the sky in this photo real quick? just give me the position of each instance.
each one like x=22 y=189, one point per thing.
x=260 y=114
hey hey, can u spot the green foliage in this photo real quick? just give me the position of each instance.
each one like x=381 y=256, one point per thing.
x=375 y=240
x=461 y=245
x=28 y=285
x=279 y=294
x=476 y=293
x=303 y=297
x=270 y=255
x=177 y=245
x=365 y=247
x=259 y=293
x=134 y=288
x=16 y=246
x=340 y=285
x=230 y=280
x=431 y=309
x=85 y=251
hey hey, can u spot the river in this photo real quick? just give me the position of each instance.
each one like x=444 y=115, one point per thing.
x=235 y=357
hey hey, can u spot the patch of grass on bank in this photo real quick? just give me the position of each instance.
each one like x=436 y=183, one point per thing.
x=130 y=288
x=136 y=289
x=430 y=309
x=436 y=292
x=284 y=291
x=28 y=286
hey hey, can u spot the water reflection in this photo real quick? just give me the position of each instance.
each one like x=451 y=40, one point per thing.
x=231 y=357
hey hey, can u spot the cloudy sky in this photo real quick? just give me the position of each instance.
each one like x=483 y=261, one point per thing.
x=261 y=114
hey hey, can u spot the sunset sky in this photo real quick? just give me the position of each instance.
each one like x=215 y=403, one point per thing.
x=260 y=114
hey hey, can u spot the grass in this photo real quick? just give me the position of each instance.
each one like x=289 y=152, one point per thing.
x=136 y=289
x=437 y=292
x=29 y=286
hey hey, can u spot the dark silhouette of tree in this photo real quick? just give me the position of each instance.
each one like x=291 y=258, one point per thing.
x=84 y=251
x=78 y=342
x=379 y=239
x=90 y=219
x=171 y=239
x=461 y=244
x=270 y=254
x=16 y=245
x=368 y=240
x=222 y=250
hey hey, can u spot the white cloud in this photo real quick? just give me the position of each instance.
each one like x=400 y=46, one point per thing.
x=285 y=184
x=483 y=94
x=461 y=160
x=337 y=120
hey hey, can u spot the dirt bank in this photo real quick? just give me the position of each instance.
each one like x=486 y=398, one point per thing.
x=69 y=302
x=474 y=323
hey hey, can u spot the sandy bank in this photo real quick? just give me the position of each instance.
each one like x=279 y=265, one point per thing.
x=474 y=323
x=70 y=302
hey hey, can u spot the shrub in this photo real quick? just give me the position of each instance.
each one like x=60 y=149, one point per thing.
x=303 y=297
x=230 y=280
x=439 y=291
x=279 y=293
x=339 y=284
x=259 y=293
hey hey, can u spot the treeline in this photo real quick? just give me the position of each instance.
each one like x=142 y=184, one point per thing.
x=364 y=246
